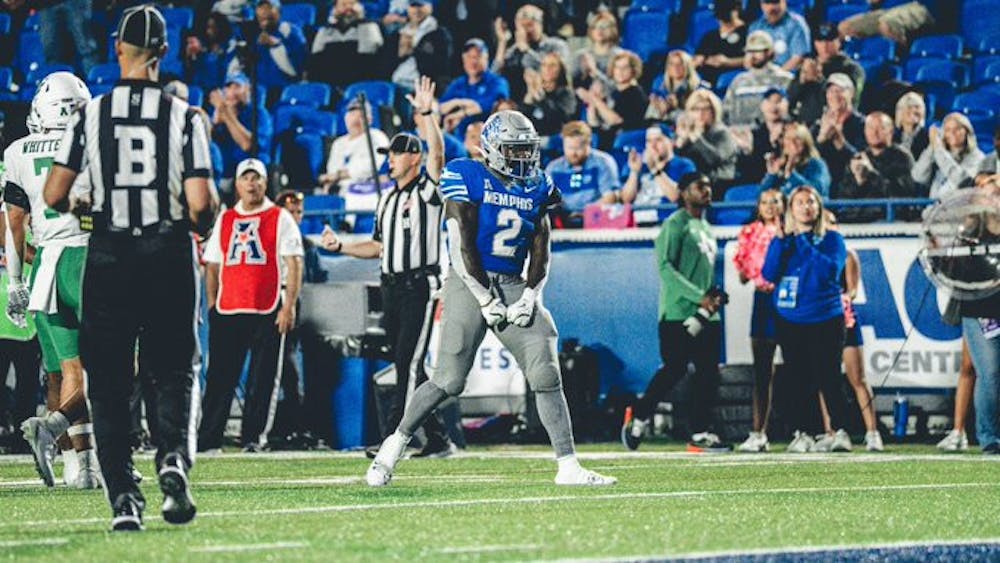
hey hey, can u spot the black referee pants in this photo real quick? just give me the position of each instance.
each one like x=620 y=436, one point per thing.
x=230 y=337
x=408 y=312
x=26 y=357
x=134 y=285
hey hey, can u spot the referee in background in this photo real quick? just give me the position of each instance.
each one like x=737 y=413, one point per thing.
x=407 y=238
x=149 y=164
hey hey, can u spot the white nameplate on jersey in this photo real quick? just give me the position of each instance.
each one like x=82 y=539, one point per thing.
x=788 y=292
x=990 y=328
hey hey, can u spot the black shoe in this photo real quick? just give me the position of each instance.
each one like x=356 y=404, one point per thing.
x=252 y=448
x=178 y=506
x=630 y=439
x=127 y=514
x=136 y=476
x=437 y=448
x=370 y=451
x=992 y=449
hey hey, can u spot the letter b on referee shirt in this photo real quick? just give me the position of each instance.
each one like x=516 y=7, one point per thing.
x=136 y=155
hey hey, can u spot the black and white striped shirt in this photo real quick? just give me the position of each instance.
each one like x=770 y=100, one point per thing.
x=408 y=224
x=139 y=145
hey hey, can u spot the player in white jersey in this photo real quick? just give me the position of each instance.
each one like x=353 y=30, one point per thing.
x=54 y=296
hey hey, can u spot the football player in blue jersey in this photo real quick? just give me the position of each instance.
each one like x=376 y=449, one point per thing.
x=496 y=214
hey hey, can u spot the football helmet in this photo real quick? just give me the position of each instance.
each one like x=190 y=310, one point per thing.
x=58 y=96
x=511 y=145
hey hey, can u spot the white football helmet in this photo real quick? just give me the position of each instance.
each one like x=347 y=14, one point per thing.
x=58 y=96
x=511 y=145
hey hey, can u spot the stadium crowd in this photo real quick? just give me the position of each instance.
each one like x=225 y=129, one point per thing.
x=790 y=104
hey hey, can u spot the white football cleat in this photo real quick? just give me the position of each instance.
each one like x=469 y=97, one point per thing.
x=841 y=441
x=43 y=447
x=801 y=443
x=755 y=443
x=380 y=471
x=579 y=476
x=873 y=441
x=89 y=472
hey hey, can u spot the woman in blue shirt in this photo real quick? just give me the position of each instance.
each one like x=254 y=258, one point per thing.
x=798 y=165
x=805 y=267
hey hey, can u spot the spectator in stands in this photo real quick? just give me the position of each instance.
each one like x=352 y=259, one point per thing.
x=910 y=134
x=468 y=97
x=419 y=48
x=232 y=128
x=530 y=43
x=621 y=109
x=899 y=23
x=799 y=163
x=207 y=52
x=231 y=9
x=466 y=19
x=281 y=48
x=721 y=50
x=831 y=59
x=62 y=19
x=882 y=170
x=806 y=94
x=181 y=90
x=841 y=131
x=805 y=266
x=395 y=15
x=350 y=40
x=350 y=160
x=702 y=137
x=789 y=31
x=658 y=182
x=679 y=79
x=989 y=166
x=473 y=140
x=593 y=62
x=753 y=241
x=550 y=101
x=583 y=175
x=742 y=101
x=951 y=158
x=763 y=138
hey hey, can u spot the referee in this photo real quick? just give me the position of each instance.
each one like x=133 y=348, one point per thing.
x=407 y=238
x=148 y=158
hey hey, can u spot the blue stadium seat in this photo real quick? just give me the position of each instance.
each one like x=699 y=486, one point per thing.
x=314 y=225
x=745 y=192
x=305 y=119
x=375 y=9
x=308 y=150
x=106 y=73
x=702 y=22
x=979 y=20
x=988 y=45
x=34 y=76
x=986 y=70
x=632 y=139
x=30 y=53
x=924 y=70
x=981 y=107
x=730 y=216
x=378 y=93
x=100 y=89
x=32 y=23
x=181 y=18
x=646 y=32
x=216 y=156
x=302 y=15
x=872 y=68
x=454 y=147
x=837 y=13
x=4 y=24
x=315 y=94
x=942 y=79
x=656 y=5
x=196 y=96
x=874 y=48
x=725 y=79
x=937 y=47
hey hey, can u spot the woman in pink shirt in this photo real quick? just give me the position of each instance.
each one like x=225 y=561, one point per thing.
x=753 y=241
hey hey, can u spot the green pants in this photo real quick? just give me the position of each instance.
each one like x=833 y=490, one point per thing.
x=59 y=332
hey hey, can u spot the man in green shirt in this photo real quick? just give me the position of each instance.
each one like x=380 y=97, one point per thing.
x=689 y=320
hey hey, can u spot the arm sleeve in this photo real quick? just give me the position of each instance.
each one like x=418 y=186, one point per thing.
x=923 y=169
x=13 y=194
x=289 y=236
x=197 y=156
x=668 y=252
x=955 y=171
x=772 y=261
x=826 y=259
x=71 y=153
x=800 y=43
x=453 y=186
x=815 y=174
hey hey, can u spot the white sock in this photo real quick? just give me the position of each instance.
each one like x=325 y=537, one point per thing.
x=88 y=459
x=568 y=463
x=638 y=427
x=71 y=467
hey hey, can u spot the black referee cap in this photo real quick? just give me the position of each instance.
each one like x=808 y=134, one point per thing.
x=143 y=26
x=403 y=143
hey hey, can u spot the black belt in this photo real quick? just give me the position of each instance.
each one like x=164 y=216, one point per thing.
x=160 y=228
x=410 y=275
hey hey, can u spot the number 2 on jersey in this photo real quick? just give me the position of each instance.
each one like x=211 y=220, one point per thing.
x=509 y=223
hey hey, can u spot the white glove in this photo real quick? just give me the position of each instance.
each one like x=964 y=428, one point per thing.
x=495 y=312
x=523 y=309
x=17 y=302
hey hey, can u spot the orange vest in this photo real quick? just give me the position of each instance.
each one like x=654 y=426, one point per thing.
x=250 y=273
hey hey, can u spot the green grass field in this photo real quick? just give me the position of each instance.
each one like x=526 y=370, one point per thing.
x=501 y=504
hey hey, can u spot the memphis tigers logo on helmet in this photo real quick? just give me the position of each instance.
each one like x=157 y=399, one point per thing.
x=59 y=95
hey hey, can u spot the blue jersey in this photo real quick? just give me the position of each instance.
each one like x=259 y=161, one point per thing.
x=508 y=214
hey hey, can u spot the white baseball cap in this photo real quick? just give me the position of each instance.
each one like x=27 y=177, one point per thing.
x=251 y=164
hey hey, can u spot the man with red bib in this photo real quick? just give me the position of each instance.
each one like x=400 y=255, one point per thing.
x=254 y=272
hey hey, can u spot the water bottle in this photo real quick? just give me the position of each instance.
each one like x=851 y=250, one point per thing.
x=900 y=416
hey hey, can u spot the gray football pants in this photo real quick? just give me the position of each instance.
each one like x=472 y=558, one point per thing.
x=534 y=348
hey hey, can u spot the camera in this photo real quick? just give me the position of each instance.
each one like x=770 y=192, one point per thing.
x=699 y=319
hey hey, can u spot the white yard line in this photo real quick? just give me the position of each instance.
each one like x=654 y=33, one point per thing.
x=486 y=549
x=566 y=498
x=248 y=547
x=32 y=543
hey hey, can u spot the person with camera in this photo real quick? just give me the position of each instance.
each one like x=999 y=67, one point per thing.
x=805 y=265
x=689 y=322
